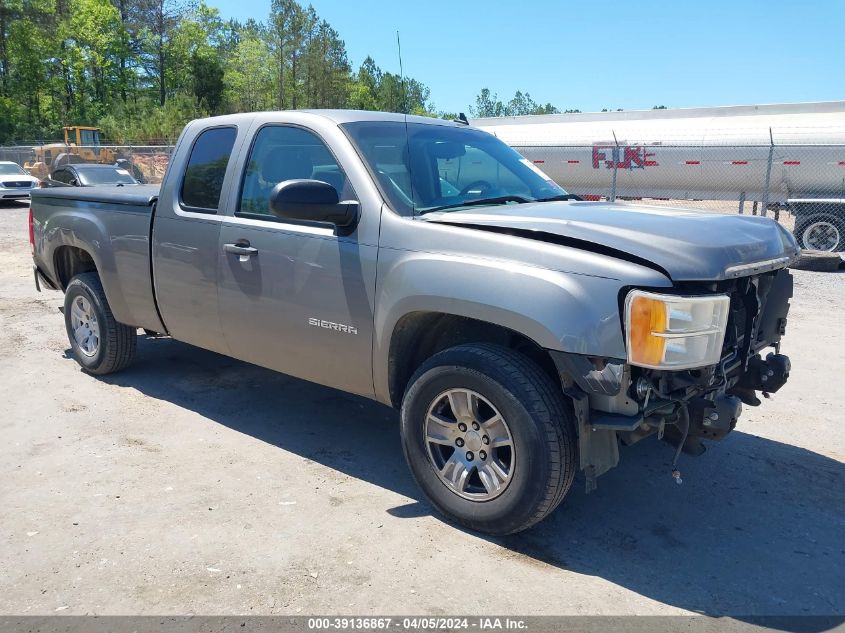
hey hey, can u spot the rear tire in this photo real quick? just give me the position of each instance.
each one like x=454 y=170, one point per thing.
x=99 y=343
x=529 y=460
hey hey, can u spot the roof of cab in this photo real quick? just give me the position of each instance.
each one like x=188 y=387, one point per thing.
x=354 y=116
x=92 y=166
x=337 y=116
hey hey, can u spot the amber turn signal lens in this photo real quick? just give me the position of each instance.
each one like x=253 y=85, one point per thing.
x=646 y=316
x=674 y=331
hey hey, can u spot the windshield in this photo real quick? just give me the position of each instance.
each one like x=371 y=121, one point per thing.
x=444 y=167
x=10 y=169
x=89 y=137
x=106 y=176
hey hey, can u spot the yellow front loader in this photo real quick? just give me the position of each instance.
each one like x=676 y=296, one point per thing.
x=81 y=145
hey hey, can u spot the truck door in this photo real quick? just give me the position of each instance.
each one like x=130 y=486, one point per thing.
x=186 y=234
x=295 y=297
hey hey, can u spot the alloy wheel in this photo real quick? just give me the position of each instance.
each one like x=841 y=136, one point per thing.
x=86 y=329
x=469 y=445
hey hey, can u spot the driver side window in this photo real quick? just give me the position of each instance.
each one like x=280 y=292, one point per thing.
x=282 y=153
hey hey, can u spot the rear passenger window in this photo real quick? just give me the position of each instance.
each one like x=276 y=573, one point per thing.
x=287 y=153
x=206 y=168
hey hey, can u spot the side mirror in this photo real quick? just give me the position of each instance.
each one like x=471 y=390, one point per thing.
x=312 y=201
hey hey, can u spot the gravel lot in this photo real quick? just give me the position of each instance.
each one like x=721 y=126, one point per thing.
x=193 y=483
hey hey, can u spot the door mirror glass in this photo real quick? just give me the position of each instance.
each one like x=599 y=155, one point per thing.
x=311 y=201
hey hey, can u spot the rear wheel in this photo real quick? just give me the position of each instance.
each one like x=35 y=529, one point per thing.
x=99 y=343
x=488 y=437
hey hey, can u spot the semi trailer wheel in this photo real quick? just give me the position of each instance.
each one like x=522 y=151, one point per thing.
x=488 y=437
x=99 y=343
x=820 y=232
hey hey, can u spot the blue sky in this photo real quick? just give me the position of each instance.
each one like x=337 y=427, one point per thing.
x=592 y=55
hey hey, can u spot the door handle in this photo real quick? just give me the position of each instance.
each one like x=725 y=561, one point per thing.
x=240 y=248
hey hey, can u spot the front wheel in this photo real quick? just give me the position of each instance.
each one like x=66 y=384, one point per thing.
x=99 y=343
x=488 y=438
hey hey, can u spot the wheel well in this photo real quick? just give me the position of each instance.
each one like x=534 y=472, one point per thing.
x=71 y=261
x=420 y=335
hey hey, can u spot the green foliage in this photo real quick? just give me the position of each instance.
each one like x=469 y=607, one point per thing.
x=249 y=80
x=374 y=89
x=141 y=69
x=487 y=104
x=207 y=72
x=147 y=122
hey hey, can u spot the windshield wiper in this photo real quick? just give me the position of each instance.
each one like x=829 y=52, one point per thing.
x=480 y=202
x=561 y=197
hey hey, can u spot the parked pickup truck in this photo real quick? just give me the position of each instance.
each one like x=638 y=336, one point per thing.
x=422 y=263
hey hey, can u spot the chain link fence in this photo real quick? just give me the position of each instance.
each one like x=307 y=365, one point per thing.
x=801 y=186
x=146 y=162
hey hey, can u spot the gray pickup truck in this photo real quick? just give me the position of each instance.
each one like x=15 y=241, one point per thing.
x=523 y=334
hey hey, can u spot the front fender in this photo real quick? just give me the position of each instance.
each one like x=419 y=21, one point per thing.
x=568 y=312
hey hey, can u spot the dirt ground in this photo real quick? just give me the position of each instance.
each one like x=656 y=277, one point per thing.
x=192 y=483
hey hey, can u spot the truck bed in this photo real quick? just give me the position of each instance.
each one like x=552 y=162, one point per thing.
x=112 y=225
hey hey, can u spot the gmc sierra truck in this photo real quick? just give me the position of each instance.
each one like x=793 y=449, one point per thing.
x=522 y=333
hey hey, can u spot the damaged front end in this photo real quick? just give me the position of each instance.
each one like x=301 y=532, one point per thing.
x=694 y=358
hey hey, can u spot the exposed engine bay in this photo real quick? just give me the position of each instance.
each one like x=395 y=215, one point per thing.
x=616 y=401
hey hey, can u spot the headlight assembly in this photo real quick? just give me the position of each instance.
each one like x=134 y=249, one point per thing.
x=674 y=332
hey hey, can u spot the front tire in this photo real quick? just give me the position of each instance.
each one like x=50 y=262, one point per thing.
x=488 y=437
x=99 y=343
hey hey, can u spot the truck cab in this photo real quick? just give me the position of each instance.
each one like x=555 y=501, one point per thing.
x=82 y=135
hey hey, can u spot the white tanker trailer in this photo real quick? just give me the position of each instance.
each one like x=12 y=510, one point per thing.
x=789 y=156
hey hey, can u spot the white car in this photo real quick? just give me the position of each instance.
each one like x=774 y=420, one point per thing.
x=15 y=183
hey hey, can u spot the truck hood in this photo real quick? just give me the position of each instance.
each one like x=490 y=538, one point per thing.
x=684 y=244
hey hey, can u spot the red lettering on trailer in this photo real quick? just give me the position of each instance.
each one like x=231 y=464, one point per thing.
x=573 y=162
x=599 y=156
x=692 y=162
x=539 y=162
x=739 y=162
x=632 y=157
x=792 y=162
